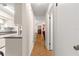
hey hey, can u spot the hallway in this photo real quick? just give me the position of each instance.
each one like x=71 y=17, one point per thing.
x=39 y=49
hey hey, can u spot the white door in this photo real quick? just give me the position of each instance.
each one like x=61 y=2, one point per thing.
x=67 y=29
x=51 y=32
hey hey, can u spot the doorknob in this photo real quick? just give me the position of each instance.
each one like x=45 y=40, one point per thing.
x=76 y=47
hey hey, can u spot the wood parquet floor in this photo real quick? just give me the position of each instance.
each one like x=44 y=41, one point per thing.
x=39 y=48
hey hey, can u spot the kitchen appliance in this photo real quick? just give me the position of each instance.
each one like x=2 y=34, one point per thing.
x=2 y=46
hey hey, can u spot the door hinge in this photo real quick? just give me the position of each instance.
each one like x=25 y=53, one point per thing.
x=56 y=4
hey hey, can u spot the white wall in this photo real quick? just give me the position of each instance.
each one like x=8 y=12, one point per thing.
x=66 y=29
x=27 y=23
x=18 y=14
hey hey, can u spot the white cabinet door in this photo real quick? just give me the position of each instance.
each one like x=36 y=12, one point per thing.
x=13 y=47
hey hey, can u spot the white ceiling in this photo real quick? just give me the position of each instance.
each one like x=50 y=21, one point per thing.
x=40 y=9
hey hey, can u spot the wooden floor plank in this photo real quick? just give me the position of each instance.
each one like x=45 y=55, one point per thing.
x=39 y=48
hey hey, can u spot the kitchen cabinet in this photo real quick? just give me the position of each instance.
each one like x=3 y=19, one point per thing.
x=13 y=46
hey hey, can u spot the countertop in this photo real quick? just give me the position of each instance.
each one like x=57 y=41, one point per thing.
x=11 y=35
